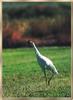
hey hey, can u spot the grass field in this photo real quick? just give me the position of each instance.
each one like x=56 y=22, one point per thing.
x=22 y=76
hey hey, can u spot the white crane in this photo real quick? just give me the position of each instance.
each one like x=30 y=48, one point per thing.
x=45 y=63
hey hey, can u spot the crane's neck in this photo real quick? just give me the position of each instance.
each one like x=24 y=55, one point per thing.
x=36 y=50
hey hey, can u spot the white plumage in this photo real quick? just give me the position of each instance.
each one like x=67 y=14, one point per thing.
x=45 y=63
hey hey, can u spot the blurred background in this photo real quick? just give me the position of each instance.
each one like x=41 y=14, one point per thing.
x=45 y=23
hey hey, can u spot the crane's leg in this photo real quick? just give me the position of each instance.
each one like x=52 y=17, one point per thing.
x=45 y=75
x=50 y=79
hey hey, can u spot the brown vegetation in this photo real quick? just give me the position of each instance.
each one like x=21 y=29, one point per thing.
x=53 y=29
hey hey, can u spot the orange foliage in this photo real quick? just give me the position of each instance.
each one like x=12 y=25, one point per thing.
x=16 y=36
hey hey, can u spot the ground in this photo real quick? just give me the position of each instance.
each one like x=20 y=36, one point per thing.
x=23 y=77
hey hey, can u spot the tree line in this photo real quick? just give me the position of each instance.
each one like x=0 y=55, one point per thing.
x=50 y=24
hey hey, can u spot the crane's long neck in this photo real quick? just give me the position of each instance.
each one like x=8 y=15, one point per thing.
x=36 y=50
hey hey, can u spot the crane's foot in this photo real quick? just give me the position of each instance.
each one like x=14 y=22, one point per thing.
x=48 y=82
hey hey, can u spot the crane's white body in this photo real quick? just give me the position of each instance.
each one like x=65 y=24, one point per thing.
x=44 y=62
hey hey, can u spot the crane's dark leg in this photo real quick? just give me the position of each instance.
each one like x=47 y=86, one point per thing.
x=50 y=79
x=45 y=75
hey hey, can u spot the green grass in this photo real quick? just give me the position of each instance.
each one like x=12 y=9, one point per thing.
x=22 y=76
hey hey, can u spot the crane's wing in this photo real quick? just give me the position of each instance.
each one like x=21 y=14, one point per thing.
x=49 y=64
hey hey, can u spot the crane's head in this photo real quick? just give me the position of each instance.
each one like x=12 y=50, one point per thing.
x=30 y=42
